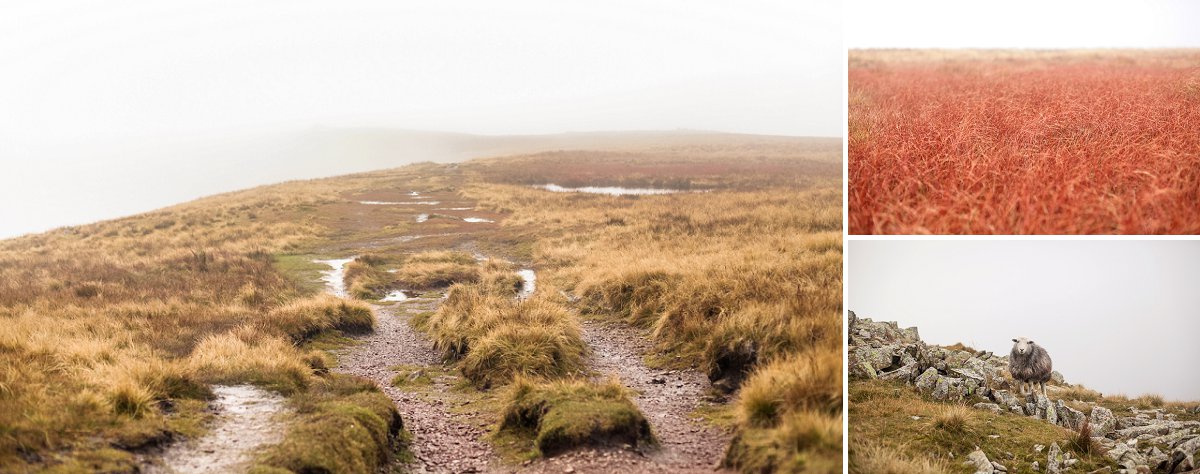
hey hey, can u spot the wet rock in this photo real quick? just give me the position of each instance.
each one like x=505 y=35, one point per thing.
x=979 y=461
x=1102 y=421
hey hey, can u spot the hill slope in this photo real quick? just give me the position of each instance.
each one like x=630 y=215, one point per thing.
x=117 y=332
x=917 y=407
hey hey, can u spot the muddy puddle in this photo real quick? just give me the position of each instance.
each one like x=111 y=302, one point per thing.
x=334 y=279
x=395 y=296
x=608 y=190
x=476 y=220
x=245 y=420
x=528 y=283
x=399 y=203
x=422 y=217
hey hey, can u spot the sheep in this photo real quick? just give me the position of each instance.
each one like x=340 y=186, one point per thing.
x=1029 y=363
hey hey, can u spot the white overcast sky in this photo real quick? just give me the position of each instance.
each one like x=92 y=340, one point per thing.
x=1117 y=316
x=97 y=98
x=1023 y=24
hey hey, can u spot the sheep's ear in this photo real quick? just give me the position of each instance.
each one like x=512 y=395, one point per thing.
x=1014 y=340
x=1031 y=342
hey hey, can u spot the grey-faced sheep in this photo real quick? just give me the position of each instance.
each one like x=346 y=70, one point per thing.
x=1029 y=363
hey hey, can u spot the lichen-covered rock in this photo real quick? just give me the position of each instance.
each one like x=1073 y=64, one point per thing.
x=865 y=361
x=948 y=388
x=979 y=461
x=906 y=373
x=992 y=407
x=1056 y=377
x=1045 y=409
x=1054 y=459
x=1068 y=417
x=1102 y=421
x=1186 y=453
x=926 y=381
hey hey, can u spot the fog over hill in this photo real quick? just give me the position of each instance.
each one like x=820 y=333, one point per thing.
x=47 y=185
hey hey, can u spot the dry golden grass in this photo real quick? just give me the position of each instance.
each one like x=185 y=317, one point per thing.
x=498 y=338
x=879 y=459
x=100 y=323
x=753 y=266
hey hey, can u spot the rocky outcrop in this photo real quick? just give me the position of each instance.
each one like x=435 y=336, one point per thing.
x=1140 y=441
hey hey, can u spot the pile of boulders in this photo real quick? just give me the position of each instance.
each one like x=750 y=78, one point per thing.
x=1144 y=440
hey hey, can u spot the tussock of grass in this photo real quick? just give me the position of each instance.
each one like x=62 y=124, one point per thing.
x=953 y=419
x=304 y=318
x=785 y=413
x=808 y=442
x=809 y=381
x=343 y=424
x=436 y=269
x=868 y=457
x=248 y=356
x=1079 y=392
x=365 y=278
x=498 y=338
x=562 y=415
x=1148 y=401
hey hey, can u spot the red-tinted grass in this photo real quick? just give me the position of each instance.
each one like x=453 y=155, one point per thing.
x=1024 y=143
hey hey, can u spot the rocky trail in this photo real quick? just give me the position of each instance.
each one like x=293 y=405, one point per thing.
x=443 y=441
x=1133 y=439
x=246 y=418
x=668 y=398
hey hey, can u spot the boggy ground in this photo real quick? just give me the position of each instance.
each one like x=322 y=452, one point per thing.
x=119 y=320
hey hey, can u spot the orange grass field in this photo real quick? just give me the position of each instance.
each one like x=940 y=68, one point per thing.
x=1029 y=142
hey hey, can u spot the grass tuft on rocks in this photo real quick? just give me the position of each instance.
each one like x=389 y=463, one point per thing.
x=347 y=409
x=566 y=414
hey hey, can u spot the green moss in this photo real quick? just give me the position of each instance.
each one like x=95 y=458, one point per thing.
x=559 y=416
x=345 y=408
x=302 y=271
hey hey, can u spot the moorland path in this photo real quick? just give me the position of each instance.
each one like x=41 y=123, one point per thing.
x=245 y=419
x=442 y=441
x=668 y=398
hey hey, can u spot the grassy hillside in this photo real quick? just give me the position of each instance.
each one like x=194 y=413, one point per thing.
x=113 y=331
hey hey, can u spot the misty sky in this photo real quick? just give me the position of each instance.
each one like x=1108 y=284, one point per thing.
x=1118 y=316
x=111 y=92
x=1023 y=24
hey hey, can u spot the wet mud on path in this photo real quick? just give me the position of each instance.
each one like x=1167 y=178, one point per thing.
x=246 y=418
